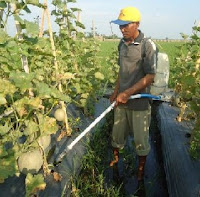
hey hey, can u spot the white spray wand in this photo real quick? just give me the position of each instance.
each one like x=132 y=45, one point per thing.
x=73 y=143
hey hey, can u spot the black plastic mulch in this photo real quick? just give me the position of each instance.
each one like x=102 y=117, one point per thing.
x=125 y=174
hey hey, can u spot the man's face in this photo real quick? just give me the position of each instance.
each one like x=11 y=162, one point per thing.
x=129 y=31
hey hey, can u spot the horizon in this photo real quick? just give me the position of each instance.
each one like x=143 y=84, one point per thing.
x=160 y=20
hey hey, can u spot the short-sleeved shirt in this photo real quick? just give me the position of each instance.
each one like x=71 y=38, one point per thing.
x=135 y=61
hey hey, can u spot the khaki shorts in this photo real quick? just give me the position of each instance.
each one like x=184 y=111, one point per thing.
x=136 y=122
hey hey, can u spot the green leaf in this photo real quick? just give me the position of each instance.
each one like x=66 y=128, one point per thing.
x=57 y=94
x=67 y=75
x=34 y=183
x=43 y=90
x=31 y=127
x=35 y=103
x=22 y=80
x=71 y=1
x=54 y=12
x=2 y=100
x=3 y=151
x=47 y=125
x=3 y=37
x=33 y=2
x=99 y=75
x=27 y=9
x=6 y=87
x=7 y=164
x=83 y=102
x=75 y=9
x=60 y=4
x=3 y=4
x=80 y=25
x=184 y=36
x=4 y=129
x=5 y=68
x=31 y=28
x=78 y=87
x=19 y=106
x=85 y=95
x=17 y=18
x=13 y=46
x=25 y=103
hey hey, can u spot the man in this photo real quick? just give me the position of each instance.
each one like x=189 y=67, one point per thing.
x=136 y=73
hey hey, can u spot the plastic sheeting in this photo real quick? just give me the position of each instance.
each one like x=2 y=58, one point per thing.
x=182 y=172
x=154 y=176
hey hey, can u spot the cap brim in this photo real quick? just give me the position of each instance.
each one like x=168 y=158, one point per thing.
x=120 y=22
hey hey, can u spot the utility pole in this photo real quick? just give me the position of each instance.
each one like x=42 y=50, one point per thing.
x=93 y=29
x=79 y=16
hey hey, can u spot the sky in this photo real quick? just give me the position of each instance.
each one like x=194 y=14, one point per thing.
x=160 y=18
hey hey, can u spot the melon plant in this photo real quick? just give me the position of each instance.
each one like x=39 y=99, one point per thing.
x=27 y=96
x=77 y=56
x=186 y=75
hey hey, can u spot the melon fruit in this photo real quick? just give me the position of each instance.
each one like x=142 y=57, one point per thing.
x=30 y=162
x=59 y=115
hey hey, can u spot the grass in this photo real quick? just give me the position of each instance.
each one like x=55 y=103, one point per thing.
x=171 y=48
x=108 y=47
x=91 y=180
x=106 y=50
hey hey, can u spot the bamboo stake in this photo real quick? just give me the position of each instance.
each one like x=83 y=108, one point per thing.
x=79 y=16
x=20 y=37
x=51 y=37
x=24 y=59
x=42 y=24
x=68 y=129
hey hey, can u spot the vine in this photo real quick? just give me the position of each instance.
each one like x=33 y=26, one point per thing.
x=187 y=83
x=25 y=117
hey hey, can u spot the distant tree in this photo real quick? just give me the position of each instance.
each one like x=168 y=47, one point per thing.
x=114 y=36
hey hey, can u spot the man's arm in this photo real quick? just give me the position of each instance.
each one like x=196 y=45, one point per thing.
x=141 y=84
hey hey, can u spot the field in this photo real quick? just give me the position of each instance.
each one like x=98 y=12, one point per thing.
x=171 y=48
x=107 y=47
x=44 y=75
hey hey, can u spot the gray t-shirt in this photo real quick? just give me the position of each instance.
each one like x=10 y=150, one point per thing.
x=136 y=60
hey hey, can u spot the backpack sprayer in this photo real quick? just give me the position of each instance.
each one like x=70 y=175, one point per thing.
x=76 y=140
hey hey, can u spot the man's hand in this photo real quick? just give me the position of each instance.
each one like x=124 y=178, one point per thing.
x=122 y=98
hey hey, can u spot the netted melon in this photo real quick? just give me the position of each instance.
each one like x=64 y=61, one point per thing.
x=59 y=115
x=30 y=162
x=44 y=141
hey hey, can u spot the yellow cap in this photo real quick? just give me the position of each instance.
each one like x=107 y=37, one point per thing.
x=128 y=15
